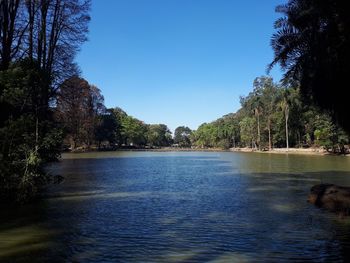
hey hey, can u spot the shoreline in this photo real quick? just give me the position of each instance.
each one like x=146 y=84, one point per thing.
x=298 y=151
x=303 y=151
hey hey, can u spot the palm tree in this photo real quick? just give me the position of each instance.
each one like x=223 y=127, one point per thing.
x=269 y=97
x=311 y=44
x=284 y=105
x=257 y=113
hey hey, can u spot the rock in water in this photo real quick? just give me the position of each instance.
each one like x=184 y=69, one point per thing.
x=331 y=197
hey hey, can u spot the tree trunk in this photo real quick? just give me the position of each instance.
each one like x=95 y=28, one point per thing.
x=286 y=119
x=42 y=33
x=8 y=11
x=54 y=34
x=36 y=130
x=259 y=131
x=31 y=10
x=269 y=130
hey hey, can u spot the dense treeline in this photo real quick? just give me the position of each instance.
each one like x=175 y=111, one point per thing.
x=271 y=116
x=88 y=124
x=38 y=42
x=311 y=44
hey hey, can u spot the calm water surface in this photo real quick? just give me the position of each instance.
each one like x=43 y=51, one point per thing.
x=180 y=207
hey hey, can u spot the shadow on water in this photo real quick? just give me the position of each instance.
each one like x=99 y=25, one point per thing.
x=24 y=233
x=177 y=208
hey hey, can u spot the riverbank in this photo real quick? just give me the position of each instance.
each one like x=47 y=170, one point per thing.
x=303 y=151
x=307 y=151
x=160 y=149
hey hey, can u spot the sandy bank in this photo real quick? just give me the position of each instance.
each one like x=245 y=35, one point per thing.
x=313 y=151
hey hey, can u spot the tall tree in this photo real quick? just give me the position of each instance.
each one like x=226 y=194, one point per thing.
x=311 y=44
x=10 y=34
x=38 y=42
x=158 y=135
x=134 y=131
x=119 y=115
x=182 y=136
x=268 y=96
x=248 y=135
x=25 y=143
x=107 y=128
x=79 y=105
x=48 y=31
x=284 y=104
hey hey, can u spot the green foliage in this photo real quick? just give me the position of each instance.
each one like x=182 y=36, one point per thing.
x=28 y=137
x=39 y=40
x=248 y=134
x=106 y=130
x=119 y=115
x=222 y=133
x=133 y=131
x=158 y=135
x=113 y=128
x=272 y=116
x=182 y=136
x=311 y=43
x=324 y=131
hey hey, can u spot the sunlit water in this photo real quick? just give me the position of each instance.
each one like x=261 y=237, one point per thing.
x=180 y=207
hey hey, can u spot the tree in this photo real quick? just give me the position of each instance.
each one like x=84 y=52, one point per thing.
x=284 y=118
x=158 y=135
x=206 y=135
x=78 y=108
x=248 y=136
x=47 y=31
x=38 y=42
x=284 y=104
x=182 y=136
x=268 y=94
x=106 y=129
x=119 y=115
x=9 y=32
x=28 y=140
x=311 y=44
x=95 y=108
x=134 y=131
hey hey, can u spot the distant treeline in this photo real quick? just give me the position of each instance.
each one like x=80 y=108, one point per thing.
x=271 y=116
x=88 y=124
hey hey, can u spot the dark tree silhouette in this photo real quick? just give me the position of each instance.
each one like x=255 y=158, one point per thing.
x=38 y=43
x=312 y=45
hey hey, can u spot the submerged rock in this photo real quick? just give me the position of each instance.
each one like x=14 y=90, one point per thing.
x=331 y=197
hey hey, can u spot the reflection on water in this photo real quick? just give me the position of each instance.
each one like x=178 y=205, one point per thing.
x=180 y=207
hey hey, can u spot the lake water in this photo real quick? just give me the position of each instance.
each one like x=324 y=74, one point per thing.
x=180 y=207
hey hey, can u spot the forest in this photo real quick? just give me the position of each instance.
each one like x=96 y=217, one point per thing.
x=88 y=124
x=271 y=116
x=47 y=107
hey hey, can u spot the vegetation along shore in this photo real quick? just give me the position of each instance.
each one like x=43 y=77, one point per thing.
x=47 y=107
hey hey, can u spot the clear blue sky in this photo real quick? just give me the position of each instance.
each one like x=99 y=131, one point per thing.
x=178 y=62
